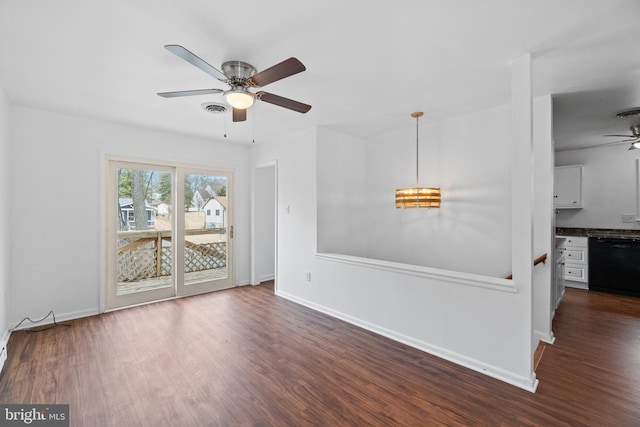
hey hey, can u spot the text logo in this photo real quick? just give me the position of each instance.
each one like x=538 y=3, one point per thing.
x=34 y=415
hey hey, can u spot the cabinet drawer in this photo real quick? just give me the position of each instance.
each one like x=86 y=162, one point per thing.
x=574 y=255
x=581 y=242
x=576 y=273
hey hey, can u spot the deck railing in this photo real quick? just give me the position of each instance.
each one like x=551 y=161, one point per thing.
x=147 y=254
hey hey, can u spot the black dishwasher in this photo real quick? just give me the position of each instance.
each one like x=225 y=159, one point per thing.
x=614 y=265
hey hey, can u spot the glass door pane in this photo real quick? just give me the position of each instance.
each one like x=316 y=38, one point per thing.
x=141 y=253
x=207 y=228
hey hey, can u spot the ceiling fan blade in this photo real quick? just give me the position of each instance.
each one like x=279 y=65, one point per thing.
x=283 y=102
x=239 y=115
x=623 y=136
x=195 y=60
x=279 y=71
x=189 y=93
x=603 y=144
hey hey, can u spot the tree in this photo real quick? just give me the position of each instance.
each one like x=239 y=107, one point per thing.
x=123 y=190
x=197 y=182
x=164 y=188
x=133 y=183
x=138 y=189
x=222 y=192
x=124 y=182
x=188 y=192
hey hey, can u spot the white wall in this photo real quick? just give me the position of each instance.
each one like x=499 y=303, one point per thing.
x=342 y=197
x=296 y=206
x=5 y=195
x=57 y=162
x=544 y=229
x=467 y=156
x=608 y=187
x=264 y=221
x=480 y=322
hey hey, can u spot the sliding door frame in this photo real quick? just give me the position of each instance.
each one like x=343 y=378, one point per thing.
x=178 y=288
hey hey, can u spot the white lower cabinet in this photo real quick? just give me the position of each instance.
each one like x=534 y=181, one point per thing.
x=576 y=262
x=558 y=290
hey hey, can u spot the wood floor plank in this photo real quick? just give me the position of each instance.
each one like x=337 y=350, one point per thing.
x=247 y=357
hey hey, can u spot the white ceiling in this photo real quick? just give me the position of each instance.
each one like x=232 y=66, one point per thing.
x=369 y=64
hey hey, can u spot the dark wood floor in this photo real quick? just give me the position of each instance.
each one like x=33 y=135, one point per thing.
x=247 y=357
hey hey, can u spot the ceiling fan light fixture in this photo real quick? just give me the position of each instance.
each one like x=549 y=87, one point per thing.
x=239 y=98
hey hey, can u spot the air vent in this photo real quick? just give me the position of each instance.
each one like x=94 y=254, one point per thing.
x=628 y=113
x=214 y=108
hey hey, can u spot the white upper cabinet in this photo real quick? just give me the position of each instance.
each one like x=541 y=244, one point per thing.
x=567 y=187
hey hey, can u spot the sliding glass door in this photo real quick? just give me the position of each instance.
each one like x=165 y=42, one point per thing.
x=169 y=231
x=206 y=234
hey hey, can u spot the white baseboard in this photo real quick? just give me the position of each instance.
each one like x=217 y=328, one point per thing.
x=576 y=285
x=267 y=278
x=529 y=384
x=262 y=279
x=549 y=338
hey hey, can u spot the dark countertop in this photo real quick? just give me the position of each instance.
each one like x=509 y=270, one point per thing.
x=598 y=232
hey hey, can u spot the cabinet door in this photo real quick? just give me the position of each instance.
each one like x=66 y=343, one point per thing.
x=567 y=187
x=558 y=290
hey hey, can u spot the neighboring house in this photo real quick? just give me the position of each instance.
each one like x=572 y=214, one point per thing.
x=213 y=187
x=126 y=210
x=215 y=210
x=200 y=197
x=163 y=209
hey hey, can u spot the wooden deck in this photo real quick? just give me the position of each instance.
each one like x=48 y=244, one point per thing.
x=244 y=357
x=164 y=281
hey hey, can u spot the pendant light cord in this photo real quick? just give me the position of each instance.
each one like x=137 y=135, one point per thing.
x=417 y=153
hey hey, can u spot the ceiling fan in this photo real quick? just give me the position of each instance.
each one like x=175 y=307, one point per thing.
x=241 y=76
x=634 y=137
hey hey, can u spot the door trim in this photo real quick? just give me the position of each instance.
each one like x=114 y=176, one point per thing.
x=254 y=279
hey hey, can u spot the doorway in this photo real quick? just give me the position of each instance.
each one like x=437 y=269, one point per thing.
x=264 y=223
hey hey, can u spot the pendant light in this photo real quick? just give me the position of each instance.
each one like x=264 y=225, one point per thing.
x=417 y=197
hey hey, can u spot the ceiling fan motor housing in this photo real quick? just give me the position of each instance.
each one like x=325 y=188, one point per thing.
x=238 y=72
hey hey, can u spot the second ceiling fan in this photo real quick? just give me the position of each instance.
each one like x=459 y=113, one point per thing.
x=241 y=76
x=634 y=138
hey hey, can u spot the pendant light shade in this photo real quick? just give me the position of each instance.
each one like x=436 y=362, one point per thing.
x=417 y=197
